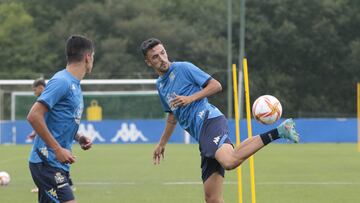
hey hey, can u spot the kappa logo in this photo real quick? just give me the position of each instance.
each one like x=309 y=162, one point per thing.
x=59 y=178
x=216 y=140
x=129 y=133
x=90 y=132
x=73 y=87
x=201 y=114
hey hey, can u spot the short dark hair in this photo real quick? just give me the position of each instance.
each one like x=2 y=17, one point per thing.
x=149 y=44
x=39 y=82
x=76 y=46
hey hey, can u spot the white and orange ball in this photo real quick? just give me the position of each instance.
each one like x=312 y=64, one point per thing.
x=4 y=178
x=267 y=109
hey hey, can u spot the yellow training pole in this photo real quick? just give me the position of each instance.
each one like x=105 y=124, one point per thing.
x=248 y=118
x=358 y=114
x=237 y=129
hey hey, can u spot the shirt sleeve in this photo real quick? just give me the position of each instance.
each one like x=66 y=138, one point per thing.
x=197 y=75
x=54 y=91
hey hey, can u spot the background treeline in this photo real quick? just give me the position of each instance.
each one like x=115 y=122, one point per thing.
x=307 y=53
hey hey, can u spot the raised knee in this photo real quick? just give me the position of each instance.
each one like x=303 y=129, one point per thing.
x=228 y=159
x=231 y=163
x=229 y=166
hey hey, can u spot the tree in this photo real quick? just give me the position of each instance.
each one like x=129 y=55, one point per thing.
x=21 y=45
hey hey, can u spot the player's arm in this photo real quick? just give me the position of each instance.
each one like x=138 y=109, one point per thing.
x=37 y=121
x=212 y=87
x=85 y=142
x=169 y=129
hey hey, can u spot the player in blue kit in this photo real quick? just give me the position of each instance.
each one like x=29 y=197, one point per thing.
x=55 y=117
x=183 y=89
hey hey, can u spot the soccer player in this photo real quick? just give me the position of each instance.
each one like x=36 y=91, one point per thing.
x=183 y=89
x=38 y=87
x=55 y=117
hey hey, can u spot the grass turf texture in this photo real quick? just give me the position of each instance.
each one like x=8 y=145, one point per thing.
x=284 y=173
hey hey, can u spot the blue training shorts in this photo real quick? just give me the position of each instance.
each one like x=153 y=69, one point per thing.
x=53 y=183
x=214 y=133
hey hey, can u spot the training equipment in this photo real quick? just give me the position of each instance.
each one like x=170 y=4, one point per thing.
x=267 y=109
x=4 y=178
x=287 y=130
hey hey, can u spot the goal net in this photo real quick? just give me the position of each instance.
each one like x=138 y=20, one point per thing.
x=114 y=104
x=118 y=98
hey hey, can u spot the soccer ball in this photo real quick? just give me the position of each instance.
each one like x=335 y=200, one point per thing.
x=267 y=109
x=4 y=178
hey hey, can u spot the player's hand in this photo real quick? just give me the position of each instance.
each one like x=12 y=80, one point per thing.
x=64 y=156
x=181 y=101
x=31 y=136
x=158 y=154
x=85 y=142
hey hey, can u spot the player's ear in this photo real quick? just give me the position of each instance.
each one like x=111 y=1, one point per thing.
x=87 y=57
x=147 y=63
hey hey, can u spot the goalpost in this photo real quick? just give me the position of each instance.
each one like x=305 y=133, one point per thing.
x=22 y=101
x=119 y=99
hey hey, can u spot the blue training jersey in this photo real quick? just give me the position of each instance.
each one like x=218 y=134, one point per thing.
x=185 y=79
x=64 y=100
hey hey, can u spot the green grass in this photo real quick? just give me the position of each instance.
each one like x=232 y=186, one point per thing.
x=285 y=173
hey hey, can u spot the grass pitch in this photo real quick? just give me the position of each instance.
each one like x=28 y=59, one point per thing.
x=284 y=173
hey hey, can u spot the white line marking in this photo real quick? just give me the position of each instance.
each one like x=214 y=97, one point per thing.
x=269 y=183
x=10 y=160
x=225 y=183
x=105 y=183
x=309 y=183
x=183 y=183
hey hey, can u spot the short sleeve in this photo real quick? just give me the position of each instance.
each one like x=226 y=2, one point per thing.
x=54 y=91
x=196 y=74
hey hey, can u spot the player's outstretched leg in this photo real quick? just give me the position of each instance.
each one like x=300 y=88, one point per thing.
x=230 y=158
x=287 y=130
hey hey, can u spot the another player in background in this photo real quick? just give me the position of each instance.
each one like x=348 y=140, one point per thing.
x=38 y=87
x=183 y=89
x=55 y=117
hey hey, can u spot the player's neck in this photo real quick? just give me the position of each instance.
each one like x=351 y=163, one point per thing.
x=77 y=70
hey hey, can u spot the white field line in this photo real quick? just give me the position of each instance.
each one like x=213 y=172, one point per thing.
x=310 y=183
x=329 y=183
x=272 y=183
x=9 y=160
x=105 y=183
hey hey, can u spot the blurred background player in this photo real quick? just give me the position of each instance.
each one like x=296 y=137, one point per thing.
x=183 y=89
x=55 y=117
x=38 y=87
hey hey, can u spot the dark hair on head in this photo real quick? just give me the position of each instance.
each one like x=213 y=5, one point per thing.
x=39 y=82
x=149 y=44
x=76 y=47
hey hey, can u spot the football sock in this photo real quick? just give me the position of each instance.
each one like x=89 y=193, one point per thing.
x=269 y=136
